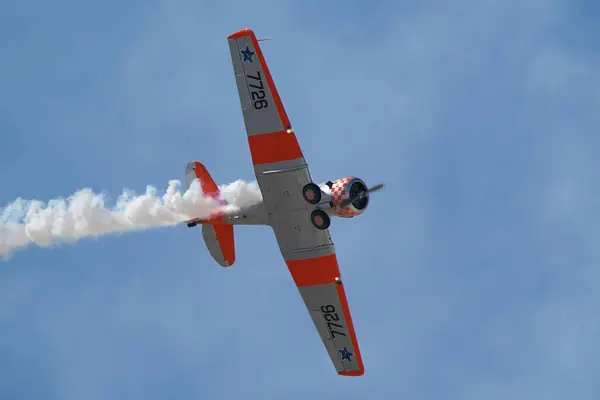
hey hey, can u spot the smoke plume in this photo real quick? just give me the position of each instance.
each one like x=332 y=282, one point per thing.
x=86 y=214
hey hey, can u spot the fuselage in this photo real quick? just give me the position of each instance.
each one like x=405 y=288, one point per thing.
x=333 y=194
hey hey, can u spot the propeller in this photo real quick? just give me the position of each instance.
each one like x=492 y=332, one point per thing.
x=361 y=194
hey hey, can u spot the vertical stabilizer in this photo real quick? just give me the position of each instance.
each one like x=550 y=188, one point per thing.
x=218 y=237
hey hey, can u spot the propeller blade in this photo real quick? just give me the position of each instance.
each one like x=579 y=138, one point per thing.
x=376 y=188
x=362 y=194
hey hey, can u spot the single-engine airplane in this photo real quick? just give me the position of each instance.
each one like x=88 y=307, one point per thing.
x=298 y=210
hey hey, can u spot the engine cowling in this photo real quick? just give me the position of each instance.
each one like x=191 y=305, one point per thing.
x=342 y=189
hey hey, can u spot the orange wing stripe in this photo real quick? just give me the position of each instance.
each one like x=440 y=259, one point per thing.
x=280 y=109
x=274 y=147
x=344 y=301
x=314 y=271
x=241 y=33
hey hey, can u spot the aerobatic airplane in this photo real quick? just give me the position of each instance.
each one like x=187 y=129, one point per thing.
x=298 y=210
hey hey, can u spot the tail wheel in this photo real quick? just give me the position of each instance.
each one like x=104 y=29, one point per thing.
x=311 y=193
x=191 y=224
x=320 y=219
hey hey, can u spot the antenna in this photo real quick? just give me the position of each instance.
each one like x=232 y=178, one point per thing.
x=262 y=40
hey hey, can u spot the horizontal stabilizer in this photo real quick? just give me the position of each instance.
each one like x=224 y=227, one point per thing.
x=220 y=243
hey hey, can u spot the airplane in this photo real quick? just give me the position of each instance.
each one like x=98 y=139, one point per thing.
x=298 y=210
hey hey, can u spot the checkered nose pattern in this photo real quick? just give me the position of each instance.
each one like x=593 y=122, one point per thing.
x=340 y=190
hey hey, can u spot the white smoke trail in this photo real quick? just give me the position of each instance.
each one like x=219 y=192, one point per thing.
x=85 y=214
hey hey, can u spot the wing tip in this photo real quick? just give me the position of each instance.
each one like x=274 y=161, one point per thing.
x=230 y=257
x=241 y=33
x=226 y=263
x=359 y=372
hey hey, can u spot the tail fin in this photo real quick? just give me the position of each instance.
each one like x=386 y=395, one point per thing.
x=195 y=170
x=218 y=237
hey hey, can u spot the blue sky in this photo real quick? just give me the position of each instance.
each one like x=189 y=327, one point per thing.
x=473 y=275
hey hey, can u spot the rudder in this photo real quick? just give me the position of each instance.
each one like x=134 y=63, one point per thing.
x=195 y=170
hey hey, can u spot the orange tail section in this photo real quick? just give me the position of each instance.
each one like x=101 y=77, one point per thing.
x=218 y=237
x=220 y=243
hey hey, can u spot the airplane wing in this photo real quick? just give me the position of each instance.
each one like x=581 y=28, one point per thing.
x=282 y=172
x=270 y=134
x=319 y=282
